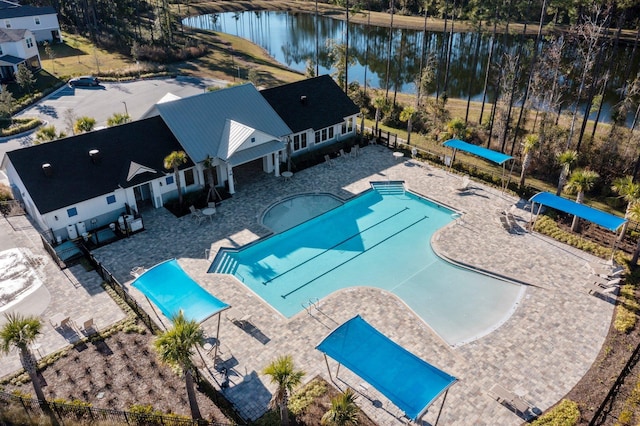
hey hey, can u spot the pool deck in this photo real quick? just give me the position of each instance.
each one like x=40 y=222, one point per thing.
x=541 y=351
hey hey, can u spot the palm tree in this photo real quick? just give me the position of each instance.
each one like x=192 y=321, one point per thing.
x=566 y=160
x=343 y=411
x=407 y=115
x=48 y=134
x=381 y=104
x=19 y=332
x=84 y=124
x=117 y=119
x=282 y=372
x=580 y=182
x=634 y=214
x=175 y=347
x=630 y=191
x=173 y=162
x=530 y=145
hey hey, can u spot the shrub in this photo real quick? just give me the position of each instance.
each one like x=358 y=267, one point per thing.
x=305 y=396
x=566 y=413
x=20 y=126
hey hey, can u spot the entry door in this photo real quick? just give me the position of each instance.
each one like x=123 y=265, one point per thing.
x=143 y=195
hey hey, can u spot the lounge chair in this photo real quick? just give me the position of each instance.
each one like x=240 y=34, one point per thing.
x=242 y=321
x=342 y=154
x=197 y=215
x=505 y=224
x=87 y=326
x=514 y=402
x=597 y=290
x=355 y=151
x=606 y=283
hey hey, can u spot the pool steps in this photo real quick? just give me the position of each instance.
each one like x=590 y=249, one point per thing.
x=224 y=264
x=389 y=188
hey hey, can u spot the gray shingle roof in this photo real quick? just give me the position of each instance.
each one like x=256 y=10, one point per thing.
x=199 y=122
x=8 y=10
x=314 y=103
x=76 y=178
x=11 y=35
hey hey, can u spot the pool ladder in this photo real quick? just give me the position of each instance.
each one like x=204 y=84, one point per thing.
x=313 y=302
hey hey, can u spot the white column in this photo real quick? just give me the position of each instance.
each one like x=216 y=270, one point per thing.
x=276 y=156
x=232 y=189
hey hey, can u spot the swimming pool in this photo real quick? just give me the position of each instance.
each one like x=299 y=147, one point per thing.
x=293 y=211
x=381 y=239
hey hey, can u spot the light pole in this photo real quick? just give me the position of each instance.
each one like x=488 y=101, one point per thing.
x=126 y=111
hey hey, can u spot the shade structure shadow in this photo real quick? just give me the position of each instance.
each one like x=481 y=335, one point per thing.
x=252 y=331
x=249 y=385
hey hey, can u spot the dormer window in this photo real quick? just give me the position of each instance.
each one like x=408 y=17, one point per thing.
x=29 y=42
x=36 y=20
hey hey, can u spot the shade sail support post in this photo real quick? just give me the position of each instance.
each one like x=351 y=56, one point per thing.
x=326 y=361
x=215 y=351
x=441 y=406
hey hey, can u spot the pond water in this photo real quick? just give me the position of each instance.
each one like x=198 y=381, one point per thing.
x=291 y=39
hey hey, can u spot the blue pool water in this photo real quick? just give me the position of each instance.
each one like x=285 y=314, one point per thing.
x=378 y=239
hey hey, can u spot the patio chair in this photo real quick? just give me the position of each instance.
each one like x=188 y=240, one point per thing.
x=342 y=154
x=355 y=151
x=88 y=326
x=509 y=399
x=464 y=185
x=136 y=271
x=328 y=160
x=600 y=291
x=197 y=214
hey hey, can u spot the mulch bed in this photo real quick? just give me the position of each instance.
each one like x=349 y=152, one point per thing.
x=118 y=372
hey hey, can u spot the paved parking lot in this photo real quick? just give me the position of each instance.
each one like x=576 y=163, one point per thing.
x=101 y=102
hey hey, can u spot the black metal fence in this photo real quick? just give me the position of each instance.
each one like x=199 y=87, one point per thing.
x=14 y=406
x=115 y=285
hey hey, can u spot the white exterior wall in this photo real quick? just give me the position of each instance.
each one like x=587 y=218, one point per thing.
x=20 y=49
x=41 y=32
x=18 y=186
x=95 y=208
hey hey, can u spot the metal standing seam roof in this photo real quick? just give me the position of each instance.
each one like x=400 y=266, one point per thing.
x=606 y=220
x=411 y=383
x=489 y=154
x=199 y=122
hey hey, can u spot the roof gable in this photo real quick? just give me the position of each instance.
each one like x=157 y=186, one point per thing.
x=127 y=155
x=200 y=122
x=314 y=103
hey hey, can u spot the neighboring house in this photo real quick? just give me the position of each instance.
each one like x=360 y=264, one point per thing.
x=317 y=111
x=94 y=176
x=90 y=177
x=41 y=21
x=232 y=126
x=17 y=47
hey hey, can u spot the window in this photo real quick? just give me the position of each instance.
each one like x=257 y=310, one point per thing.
x=29 y=42
x=7 y=23
x=330 y=132
x=324 y=135
x=169 y=180
x=1 y=51
x=347 y=127
x=318 y=136
x=37 y=20
x=189 y=178
x=299 y=142
x=253 y=140
x=111 y=199
x=72 y=212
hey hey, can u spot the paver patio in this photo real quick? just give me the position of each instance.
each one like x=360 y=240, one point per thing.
x=540 y=351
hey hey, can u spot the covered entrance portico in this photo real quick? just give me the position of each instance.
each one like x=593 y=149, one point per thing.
x=268 y=153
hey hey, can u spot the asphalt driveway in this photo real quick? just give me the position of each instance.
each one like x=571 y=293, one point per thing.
x=101 y=102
